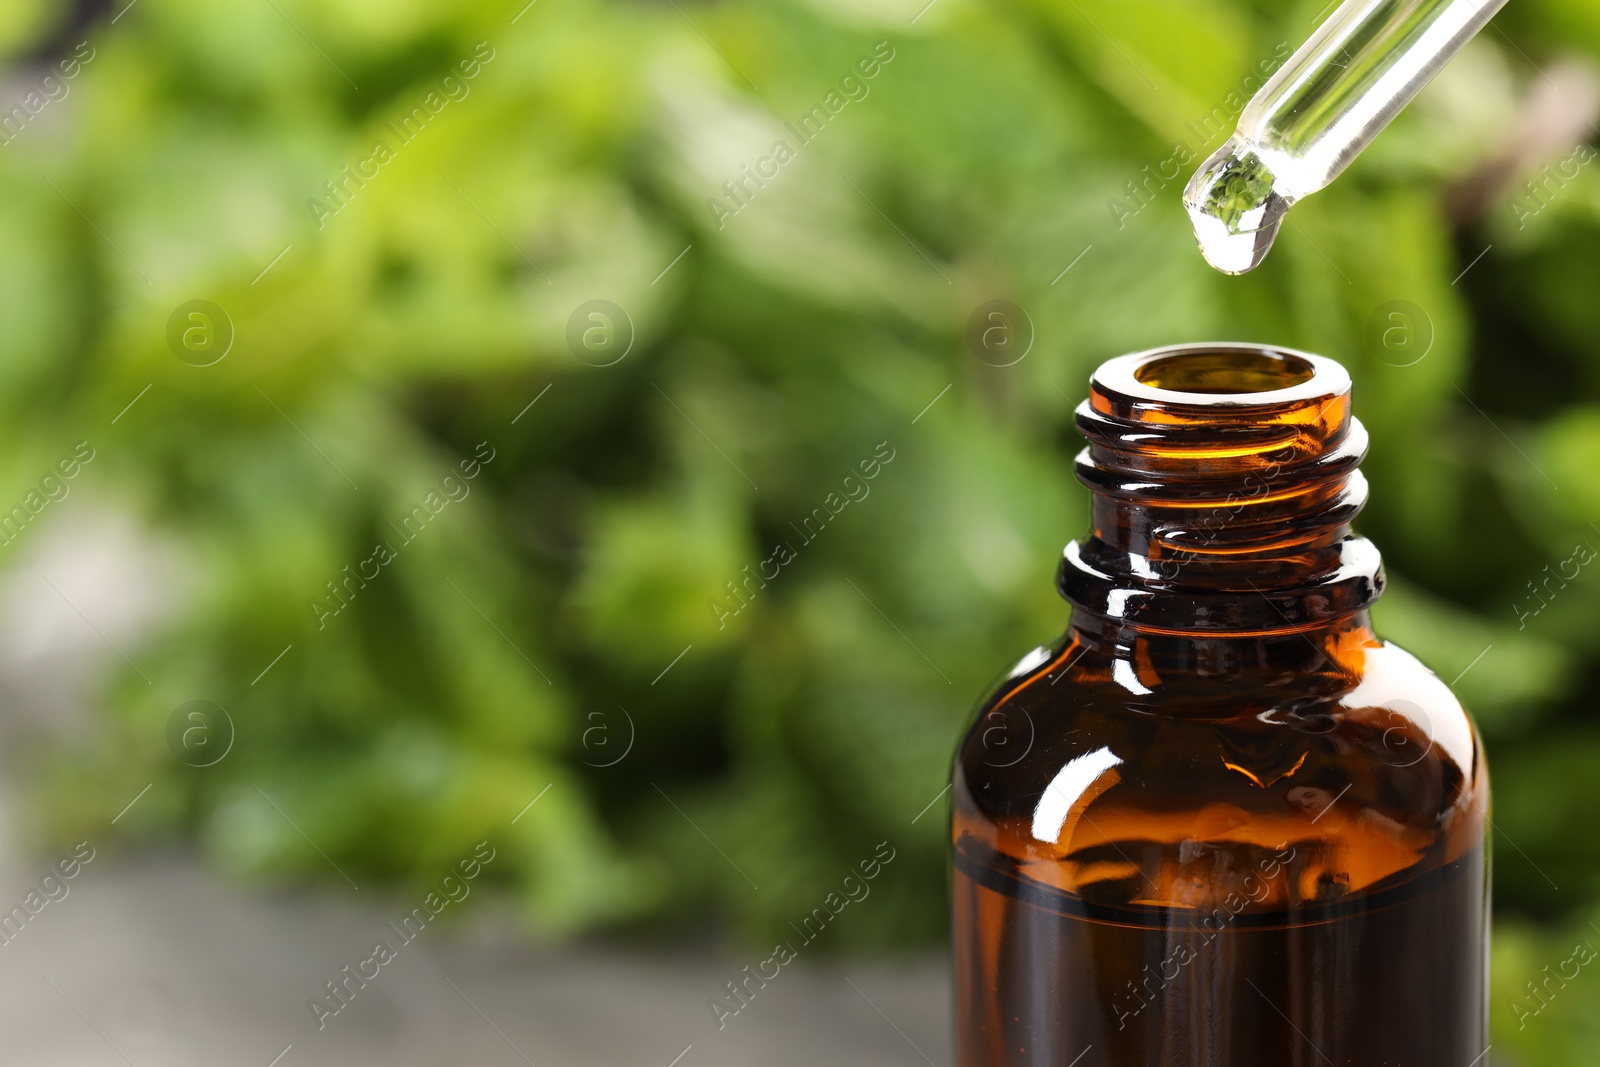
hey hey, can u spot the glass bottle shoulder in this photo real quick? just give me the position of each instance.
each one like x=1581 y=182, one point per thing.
x=1112 y=779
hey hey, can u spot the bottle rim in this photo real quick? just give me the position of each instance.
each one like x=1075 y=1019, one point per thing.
x=1138 y=377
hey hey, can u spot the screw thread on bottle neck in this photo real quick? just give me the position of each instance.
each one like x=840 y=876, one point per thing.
x=1225 y=480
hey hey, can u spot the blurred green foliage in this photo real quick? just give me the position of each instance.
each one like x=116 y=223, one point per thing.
x=522 y=639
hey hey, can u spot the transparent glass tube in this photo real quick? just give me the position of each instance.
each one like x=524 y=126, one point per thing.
x=1317 y=113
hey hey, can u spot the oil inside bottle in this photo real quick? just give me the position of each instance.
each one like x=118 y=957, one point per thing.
x=1235 y=208
x=1261 y=879
x=1065 y=982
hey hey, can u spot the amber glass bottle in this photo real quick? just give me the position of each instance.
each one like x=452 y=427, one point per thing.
x=1221 y=823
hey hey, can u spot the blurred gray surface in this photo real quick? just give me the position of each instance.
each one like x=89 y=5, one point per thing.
x=156 y=963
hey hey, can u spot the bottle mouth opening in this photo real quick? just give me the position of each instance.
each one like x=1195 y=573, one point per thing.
x=1214 y=375
x=1226 y=371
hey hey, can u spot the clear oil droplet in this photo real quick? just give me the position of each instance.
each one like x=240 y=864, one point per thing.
x=1235 y=208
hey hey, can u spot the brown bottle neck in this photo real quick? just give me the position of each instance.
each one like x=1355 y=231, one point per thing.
x=1224 y=482
x=1141 y=660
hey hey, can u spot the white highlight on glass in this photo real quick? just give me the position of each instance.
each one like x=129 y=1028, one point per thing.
x=1065 y=789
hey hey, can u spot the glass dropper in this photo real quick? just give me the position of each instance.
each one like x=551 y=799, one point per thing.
x=1317 y=113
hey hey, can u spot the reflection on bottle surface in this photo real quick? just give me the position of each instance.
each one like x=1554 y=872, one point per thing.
x=1244 y=829
x=1317 y=113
